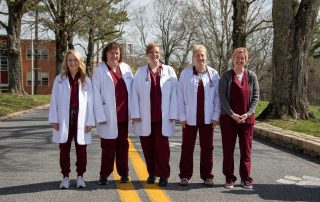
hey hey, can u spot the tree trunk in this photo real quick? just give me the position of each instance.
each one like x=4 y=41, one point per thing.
x=239 y=33
x=61 y=35
x=166 y=58
x=13 y=44
x=70 y=41
x=61 y=48
x=293 y=26
x=90 y=53
x=98 y=55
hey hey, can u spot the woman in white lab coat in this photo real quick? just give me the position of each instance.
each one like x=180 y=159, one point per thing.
x=153 y=112
x=112 y=85
x=71 y=115
x=199 y=109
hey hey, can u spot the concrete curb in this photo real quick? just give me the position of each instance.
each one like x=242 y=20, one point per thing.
x=300 y=142
x=10 y=116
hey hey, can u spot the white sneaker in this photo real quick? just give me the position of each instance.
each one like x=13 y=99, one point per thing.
x=80 y=182
x=65 y=183
x=246 y=184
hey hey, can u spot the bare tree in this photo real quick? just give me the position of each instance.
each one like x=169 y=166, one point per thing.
x=293 y=23
x=16 y=9
x=102 y=25
x=65 y=19
x=216 y=20
x=172 y=32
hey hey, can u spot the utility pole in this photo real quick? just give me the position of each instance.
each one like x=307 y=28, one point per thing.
x=36 y=51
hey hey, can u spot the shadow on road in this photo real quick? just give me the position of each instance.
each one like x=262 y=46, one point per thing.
x=280 y=192
x=51 y=186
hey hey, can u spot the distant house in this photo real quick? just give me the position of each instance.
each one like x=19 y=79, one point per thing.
x=128 y=52
x=46 y=65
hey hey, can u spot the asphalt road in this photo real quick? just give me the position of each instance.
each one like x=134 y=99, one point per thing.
x=29 y=170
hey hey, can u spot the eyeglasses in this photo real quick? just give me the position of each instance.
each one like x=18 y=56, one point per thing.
x=75 y=61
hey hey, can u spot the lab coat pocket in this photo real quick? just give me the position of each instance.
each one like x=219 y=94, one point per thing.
x=56 y=137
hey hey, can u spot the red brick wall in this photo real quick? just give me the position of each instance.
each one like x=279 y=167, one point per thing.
x=48 y=65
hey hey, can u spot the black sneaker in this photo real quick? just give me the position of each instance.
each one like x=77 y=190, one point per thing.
x=103 y=181
x=163 y=182
x=151 y=179
x=124 y=179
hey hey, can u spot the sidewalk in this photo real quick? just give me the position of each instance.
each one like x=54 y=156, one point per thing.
x=9 y=116
x=300 y=142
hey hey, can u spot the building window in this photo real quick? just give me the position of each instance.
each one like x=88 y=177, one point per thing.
x=3 y=59
x=130 y=49
x=43 y=54
x=43 y=78
x=29 y=53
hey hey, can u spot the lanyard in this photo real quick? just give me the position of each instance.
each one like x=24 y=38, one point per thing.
x=148 y=72
x=210 y=77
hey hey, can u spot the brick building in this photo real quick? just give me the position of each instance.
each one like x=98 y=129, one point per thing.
x=46 y=65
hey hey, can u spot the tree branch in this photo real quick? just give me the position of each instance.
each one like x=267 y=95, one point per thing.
x=3 y=13
x=252 y=1
x=254 y=28
x=85 y=50
x=4 y=25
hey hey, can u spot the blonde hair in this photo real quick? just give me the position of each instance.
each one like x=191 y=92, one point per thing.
x=240 y=50
x=82 y=66
x=199 y=48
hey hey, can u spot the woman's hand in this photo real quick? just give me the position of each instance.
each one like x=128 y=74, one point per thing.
x=55 y=126
x=87 y=129
x=183 y=124
x=136 y=120
x=214 y=123
x=237 y=118
x=244 y=117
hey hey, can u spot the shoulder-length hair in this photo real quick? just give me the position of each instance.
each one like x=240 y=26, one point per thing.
x=82 y=66
x=111 y=46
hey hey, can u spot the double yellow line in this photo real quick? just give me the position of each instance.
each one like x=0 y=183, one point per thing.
x=127 y=191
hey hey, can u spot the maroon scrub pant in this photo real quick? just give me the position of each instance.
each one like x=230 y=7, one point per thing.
x=189 y=136
x=229 y=131
x=156 y=152
x=81 y=152
x=115 y=149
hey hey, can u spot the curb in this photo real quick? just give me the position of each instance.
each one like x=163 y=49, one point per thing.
x=300 y=142
x=10 y=116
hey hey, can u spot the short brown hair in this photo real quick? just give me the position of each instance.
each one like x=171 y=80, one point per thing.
x=111 y=46
x=151 y=46
x=240 y=50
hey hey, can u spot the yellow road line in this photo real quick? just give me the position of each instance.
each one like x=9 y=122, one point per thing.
x=154 y=192
x=127 y=192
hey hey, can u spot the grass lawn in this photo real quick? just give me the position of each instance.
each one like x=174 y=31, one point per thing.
x=310 y=127
x=12 y=103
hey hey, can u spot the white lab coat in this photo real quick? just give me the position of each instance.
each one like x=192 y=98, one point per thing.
x=59 y=110
x=105 y=99
x=187 y=96
x=140 y=101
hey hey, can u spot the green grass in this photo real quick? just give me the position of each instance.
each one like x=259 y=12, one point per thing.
x=310 y=127
x=13 y=103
